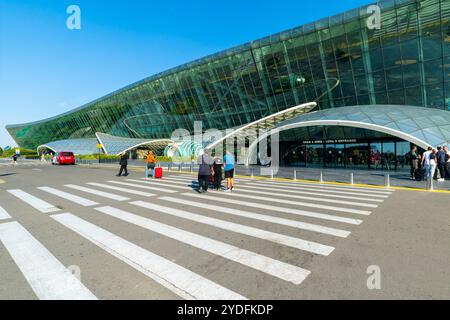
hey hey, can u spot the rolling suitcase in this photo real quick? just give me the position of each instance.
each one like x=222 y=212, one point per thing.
x=158 y=173
x=419 y=174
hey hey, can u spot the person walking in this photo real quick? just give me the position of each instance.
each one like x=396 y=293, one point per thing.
x=426 y=163
x=217 y=171
x=151 y=164
x=440 y=159
x=229 y=171
x=123 y=164
x=204 y=172
x=447 y=162
x=14 y=157
x=414 y=157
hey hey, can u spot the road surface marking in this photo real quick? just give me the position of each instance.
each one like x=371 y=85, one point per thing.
x=140 y=186
x=167 y=184
x=3 y=214
x=277 y=209
x=297 y=243
x=316 y=199
x=298 y=203
x=262 y=217
x=97 y=192
x=36 y=203
x=179 y=280
x=314 y=193
x=287 y=188
x=327 y=186
x=48 y=278
x=125 y=190
x=250 y=259
x=68 y=196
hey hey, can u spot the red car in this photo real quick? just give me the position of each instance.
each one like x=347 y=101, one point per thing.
x=64 y=157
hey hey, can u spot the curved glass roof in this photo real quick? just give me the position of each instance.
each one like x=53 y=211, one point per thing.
x=427 y=125
x=116 y=145
x=77 y=146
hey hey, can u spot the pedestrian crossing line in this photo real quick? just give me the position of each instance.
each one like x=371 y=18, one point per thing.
x=141 y=186
x=170 y=184
x=97 y=192
x=328 y=187
x=317 y=199
x=68 y=196
x=165 y=182
x=125 y=190
x=181 y=281
x=262 y=217
x=277 y=209
x=298 y=203
x=297 y=243
x=247 y=186
x=48 y=277
x=36 y=203
x=3 y=214
x=285 y=188
x=275 y=268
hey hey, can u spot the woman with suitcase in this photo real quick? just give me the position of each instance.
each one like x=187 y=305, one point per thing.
x=151 y=164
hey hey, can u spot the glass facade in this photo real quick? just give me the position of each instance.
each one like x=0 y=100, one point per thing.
x=405 y=62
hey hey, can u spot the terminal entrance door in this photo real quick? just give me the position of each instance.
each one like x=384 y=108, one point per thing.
x=335 y=156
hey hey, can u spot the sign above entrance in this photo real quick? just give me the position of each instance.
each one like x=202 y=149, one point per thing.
x=329 y=141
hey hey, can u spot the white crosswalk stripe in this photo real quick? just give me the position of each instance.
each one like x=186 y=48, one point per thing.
x=288 y=188
x=36 y=203
x=3 y=214
x=328 y=186
x=179 y=280
x=250 y=259
x=299 y=203
x=48 y=278
x=141 y=186
x=125 y=190
x=261 y=217
x=97 y=192
x=277 y=209
x=317 y=198
x=68 y=196
x=315 y=193
x=238 y=228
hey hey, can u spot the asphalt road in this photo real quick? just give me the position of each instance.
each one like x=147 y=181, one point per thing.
x=159 y=239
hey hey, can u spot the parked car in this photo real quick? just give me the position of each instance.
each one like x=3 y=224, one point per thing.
x=65 y=157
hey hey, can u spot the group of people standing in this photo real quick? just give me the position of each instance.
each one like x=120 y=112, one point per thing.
x=215 y=170
x=430 y=163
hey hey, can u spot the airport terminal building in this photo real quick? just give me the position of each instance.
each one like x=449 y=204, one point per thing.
x=346 y=91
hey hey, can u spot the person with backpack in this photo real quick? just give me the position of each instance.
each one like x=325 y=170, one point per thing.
x=151 y=164
x=440 y=159
x=123 y=164
x=429 y=163
x=204 y=172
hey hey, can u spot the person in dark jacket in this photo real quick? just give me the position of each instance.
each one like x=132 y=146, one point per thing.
x=204 y=173
x=123 y=164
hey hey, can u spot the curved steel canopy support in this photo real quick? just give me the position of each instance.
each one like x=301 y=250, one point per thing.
x=343 y=123
x=266 y=123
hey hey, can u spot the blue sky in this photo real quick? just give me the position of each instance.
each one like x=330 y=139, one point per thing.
x=47 y=69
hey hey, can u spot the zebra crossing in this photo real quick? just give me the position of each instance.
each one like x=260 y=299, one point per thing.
x=311 y=219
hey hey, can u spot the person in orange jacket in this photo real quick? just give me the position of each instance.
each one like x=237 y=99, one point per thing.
x=151 y=163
